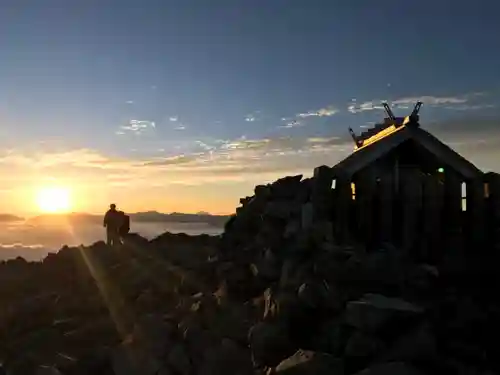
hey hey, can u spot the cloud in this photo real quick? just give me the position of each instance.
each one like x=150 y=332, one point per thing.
x=448 y=102
x=250 y=118
x=205 y=146
x=78 y=158
x=180 y=127
x=328 y=111
x=172 y=160
x=211 y=160
x=471 y=107
x=430 y=100
x=366 y=106
x=138 y=126
x=130 y=102
x=173 y=119
x=292 y=124
x=31 y=253
x=298 y=119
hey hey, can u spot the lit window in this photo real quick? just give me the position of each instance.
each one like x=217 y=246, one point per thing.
x=464 y=196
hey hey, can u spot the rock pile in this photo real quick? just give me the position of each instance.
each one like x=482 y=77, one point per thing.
x=332 y=309
x=275 y=294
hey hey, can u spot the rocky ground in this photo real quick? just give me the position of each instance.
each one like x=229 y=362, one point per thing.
x=275 y=294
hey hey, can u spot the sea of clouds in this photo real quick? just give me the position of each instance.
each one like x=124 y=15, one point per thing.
x=34 y=242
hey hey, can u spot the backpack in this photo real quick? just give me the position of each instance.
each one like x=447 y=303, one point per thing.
x=125 y=227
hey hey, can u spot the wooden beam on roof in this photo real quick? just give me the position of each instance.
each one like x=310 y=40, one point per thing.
x=361 y=158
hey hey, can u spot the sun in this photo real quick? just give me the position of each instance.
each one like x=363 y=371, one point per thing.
x=54 y=199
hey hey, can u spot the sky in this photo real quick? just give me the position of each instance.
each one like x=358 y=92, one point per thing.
x=186 y=105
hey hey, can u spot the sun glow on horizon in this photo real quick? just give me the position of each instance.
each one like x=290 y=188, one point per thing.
x=54 y=199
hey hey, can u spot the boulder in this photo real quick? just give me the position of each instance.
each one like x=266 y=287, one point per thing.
x=270 y=343
x=154 y=334
x=374 y=312
x=228 y=358
x=362 y=345
x=310 y=363
x=392 y=368
x=179 y=361
x=47 y=370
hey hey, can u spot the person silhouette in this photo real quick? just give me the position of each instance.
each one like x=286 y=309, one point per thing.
x=112 y=224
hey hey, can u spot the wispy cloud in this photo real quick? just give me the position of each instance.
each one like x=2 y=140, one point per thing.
x=431 y=100
x=292 y=124
x=471 y=107
x=366 y=106
x=180 y=127
x=449 y=102
x=328 y=111
x=250 y=118
x=299 y=119
x=138 y=126
x=173 y=119
x=130 y=102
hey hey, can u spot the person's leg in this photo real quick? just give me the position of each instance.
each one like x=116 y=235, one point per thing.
x=116 y=241
x=109 y=237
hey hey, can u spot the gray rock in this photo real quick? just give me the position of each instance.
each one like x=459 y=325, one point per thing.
x=373 y=311
x=321 y=191
x=154 y=334
x=310 y=363
x=269 y=343
x=226 y=359
x=312 y=294
x=179 y=360
x=129 y=361
x=281 y=209
x=331 y=337
x=419 y=344
x=393 y=368
x=422 y=277
x=47 y=370
x=307 y=216
x=269 y=266
x=363 y=345
x=292 y=228
x=262 y=190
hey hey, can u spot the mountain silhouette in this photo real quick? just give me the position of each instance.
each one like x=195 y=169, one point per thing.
x=140 y=217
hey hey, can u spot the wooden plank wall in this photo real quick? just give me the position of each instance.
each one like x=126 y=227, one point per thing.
x=423 y=216
x=492 y=220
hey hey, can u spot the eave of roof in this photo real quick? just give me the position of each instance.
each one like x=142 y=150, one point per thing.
x=368 y=154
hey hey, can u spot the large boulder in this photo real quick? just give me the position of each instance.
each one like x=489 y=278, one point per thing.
x=310 y=363
x=270 y=343
x=374 y=312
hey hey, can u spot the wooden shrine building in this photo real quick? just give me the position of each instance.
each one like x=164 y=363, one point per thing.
x=403 y=186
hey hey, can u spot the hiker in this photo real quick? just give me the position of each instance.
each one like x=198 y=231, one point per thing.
x=112 y=222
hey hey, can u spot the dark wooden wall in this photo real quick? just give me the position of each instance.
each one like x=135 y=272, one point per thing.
x=422 y=214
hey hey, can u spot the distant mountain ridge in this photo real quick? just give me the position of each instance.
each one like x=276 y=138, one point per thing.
x=5 y=218
x=141 y=217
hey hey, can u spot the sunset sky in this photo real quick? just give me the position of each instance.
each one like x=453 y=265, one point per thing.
x=186 y=105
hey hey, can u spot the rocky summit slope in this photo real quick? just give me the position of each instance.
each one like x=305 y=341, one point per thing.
x=275 y=294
